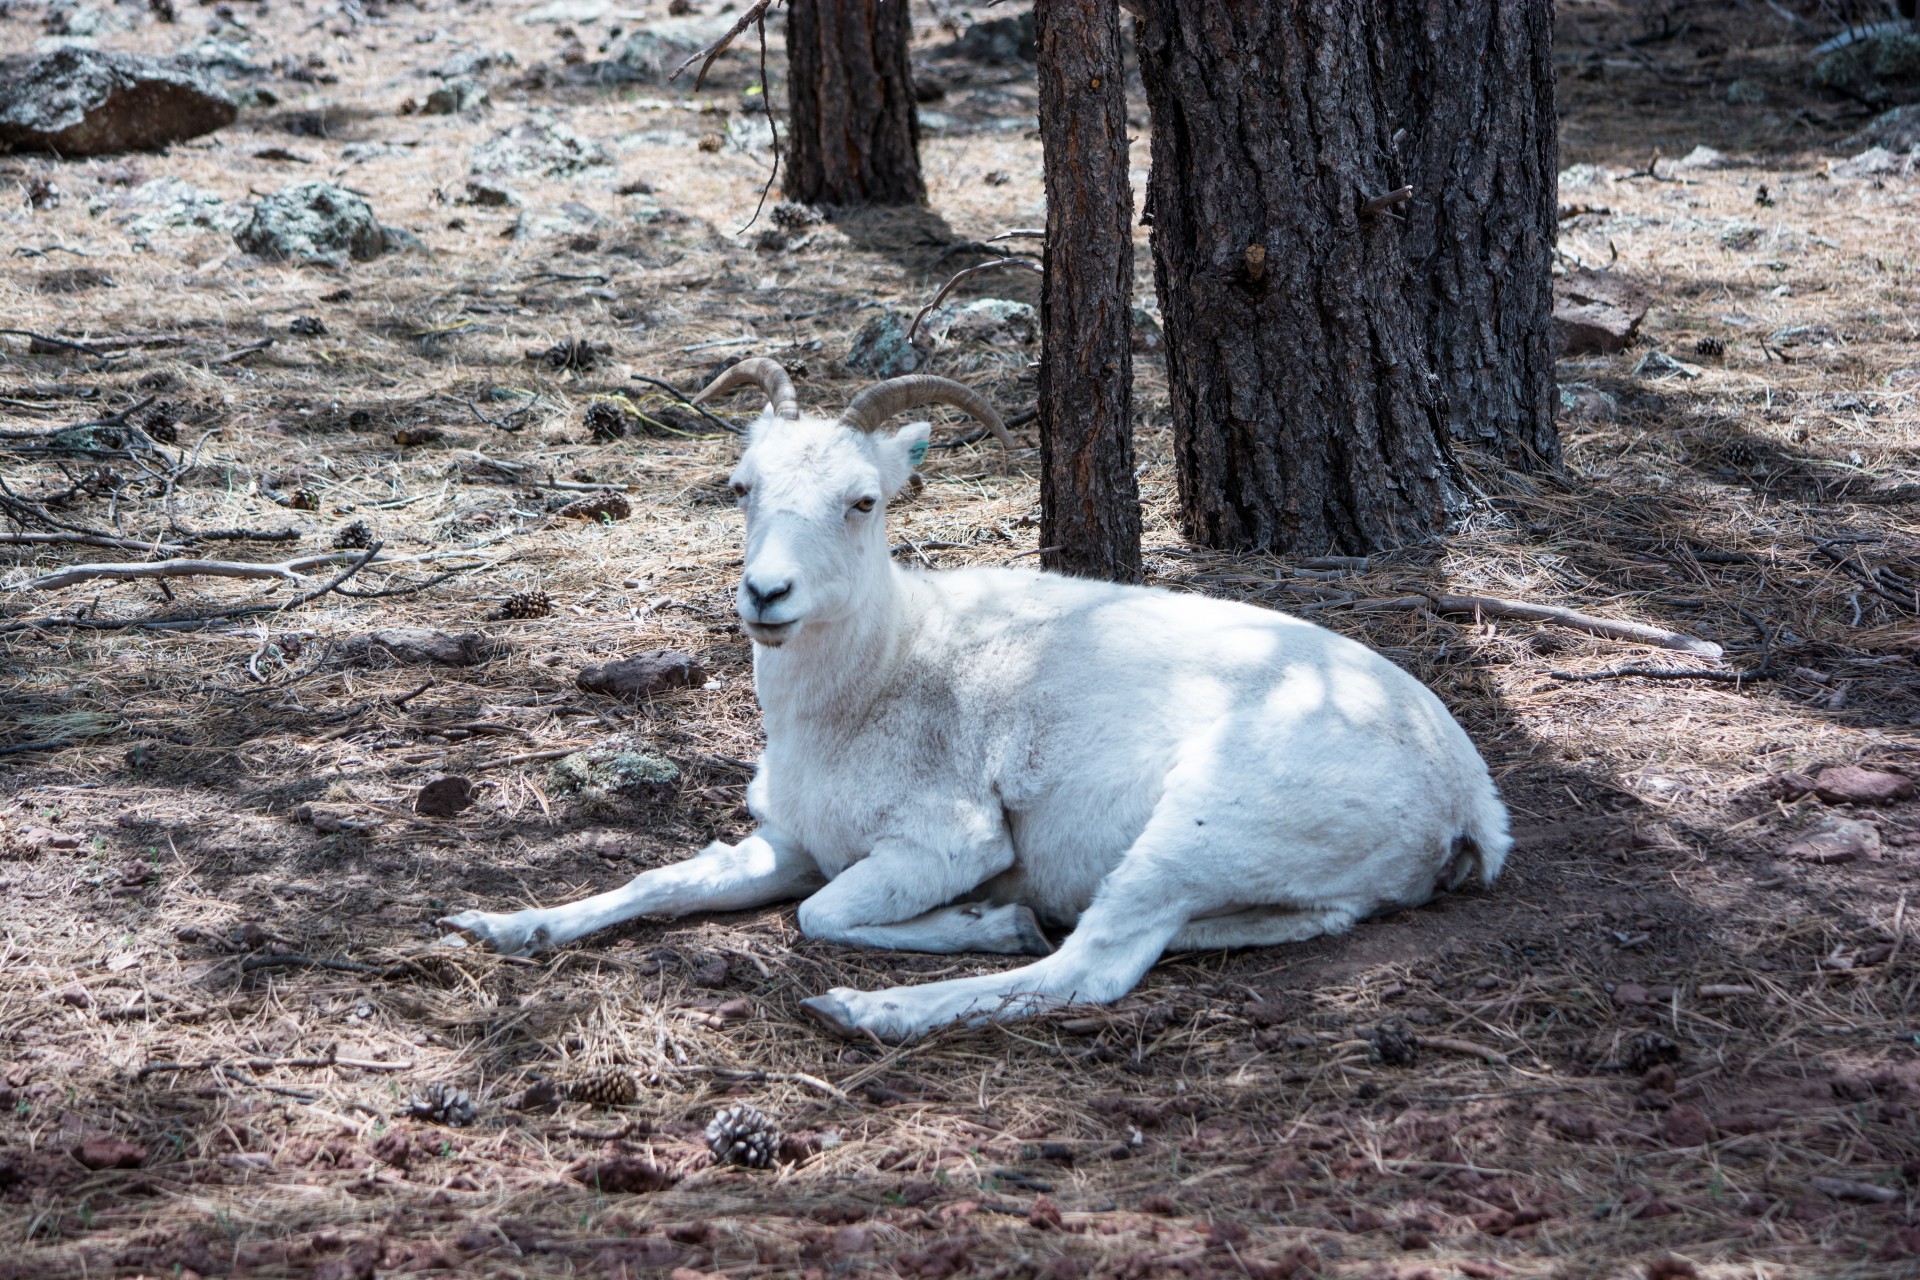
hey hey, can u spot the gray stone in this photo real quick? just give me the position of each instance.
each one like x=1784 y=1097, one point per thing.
x=1873 y=67
x=1897 y=130
x=643 y=674
x=1581 y=402
x=313 y=222
x=999 y=40
x=472 y=63
x=1874 y=162
x=1658 y=364
x=998 y=322
x=544 y=147
x=881 y=349
x=492 y=195
x=620 y=769
x=457 y=97
x=1582 y=177
x=417 y=646
x=1745 y=93
x=1596 y=313
x=1147 y=336
x=1703 y=157
x=82 y=102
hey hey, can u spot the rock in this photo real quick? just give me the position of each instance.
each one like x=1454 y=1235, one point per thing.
x=457 y=97
x=491 y=195
x=1685 y=1126
x=1584 y=177
x=1703 y=157
x=109 y=1153
x=313 y=222
x=416 y=646
x=84 y=102
x=567 y=11
x=881 y=349
x=1147 y=335
x=472 y=63
x=710 y=972
x=1596 y=313
x=1788 y=786
x=1745 y=93
x=1629 y=995
x=1897 y=130
x=1874 y=162
x=654 y=52
x=1872 y=67
x=1837 y=840
x=1580 y=402
x=643 y=674
x=538 y=146
x=75 y=997
x=444 y=797
x=1851 y=784
x=330 y=818
x=1658 y=364
x=997 y=322
x=999 y=40
x=619 y=769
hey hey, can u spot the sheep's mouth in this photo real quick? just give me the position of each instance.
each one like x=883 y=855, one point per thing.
x=771 y=634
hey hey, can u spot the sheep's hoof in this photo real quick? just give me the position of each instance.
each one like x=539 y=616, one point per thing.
x=1033 y=942
x=506 y=934
x=832 y=1013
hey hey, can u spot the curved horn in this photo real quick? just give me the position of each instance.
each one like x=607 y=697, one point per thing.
x=872 y=408
x=760 y=372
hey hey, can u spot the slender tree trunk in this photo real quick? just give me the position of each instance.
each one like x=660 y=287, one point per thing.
x=1304 y=416
x=854 y=136
x=1480 y=148
x=1089 y=502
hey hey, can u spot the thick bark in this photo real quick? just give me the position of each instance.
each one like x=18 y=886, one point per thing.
x=854 y=137
x=1475 y=97
x=1304 y=416
x=1089 y=502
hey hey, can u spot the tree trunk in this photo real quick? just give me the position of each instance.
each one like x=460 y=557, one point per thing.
x=1480 y=149
x=1089 y=503
x=1304 y=416
x=854 y=137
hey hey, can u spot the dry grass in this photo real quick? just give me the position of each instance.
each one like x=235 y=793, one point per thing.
x=1227 y=1118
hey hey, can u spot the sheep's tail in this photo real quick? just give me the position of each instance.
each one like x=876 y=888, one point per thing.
x=1482 y=848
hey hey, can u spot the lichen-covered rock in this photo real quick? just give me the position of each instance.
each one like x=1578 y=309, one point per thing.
x=881 y=349
x=1873 y=67
x=619 y=769
x=998 y=322
x=457 y=97
x=313 y=222
x=544 y=147
x=1897 y=130
x=84 y=102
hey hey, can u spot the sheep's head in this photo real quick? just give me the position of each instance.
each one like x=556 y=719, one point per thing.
x=815 y=492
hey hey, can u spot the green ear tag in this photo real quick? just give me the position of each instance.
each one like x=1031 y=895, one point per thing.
x=917 y=454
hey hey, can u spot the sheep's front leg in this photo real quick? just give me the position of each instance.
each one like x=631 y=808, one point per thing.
x=764 y=868
x=901 y=898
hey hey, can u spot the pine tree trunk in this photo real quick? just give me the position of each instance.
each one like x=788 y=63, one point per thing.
x=1480 y=149
x=854 y=137
x=1304 y=416
x=1089 y=502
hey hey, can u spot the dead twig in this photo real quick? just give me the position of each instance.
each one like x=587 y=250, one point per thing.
x=962 y=274
x=754 y=13
x=1493 y=607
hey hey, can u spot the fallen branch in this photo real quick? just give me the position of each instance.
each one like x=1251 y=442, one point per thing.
x=1669 y=673
x=962 y=274
x=253 y=963
x=330 y=1059
x=754 y=13
x=736 y=1075
x=1466 y=1047
x=86 y=540
x=1493 y=607
x=282 y=570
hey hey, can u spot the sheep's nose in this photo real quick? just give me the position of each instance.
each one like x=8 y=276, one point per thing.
x=762 y=597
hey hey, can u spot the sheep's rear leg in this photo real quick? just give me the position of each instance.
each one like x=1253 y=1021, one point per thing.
x=762 y=869
x=1261 y=927
x=1007 y=930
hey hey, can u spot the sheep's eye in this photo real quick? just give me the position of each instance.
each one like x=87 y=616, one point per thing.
x=865 y=504
x=739 y=490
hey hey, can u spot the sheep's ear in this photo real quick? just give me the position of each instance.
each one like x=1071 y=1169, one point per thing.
x=901 y=452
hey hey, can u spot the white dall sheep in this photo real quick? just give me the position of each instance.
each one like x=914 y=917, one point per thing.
x=954 y=758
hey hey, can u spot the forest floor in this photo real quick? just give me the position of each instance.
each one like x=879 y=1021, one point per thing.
x=1678 y=1037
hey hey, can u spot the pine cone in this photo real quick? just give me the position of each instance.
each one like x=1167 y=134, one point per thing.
x=576 y=354
x=357 y=536
x=744 y=1135
x=159 y=424
x=601 y=508
x=303 y=500
x=1712 y=348
x=1649 y=1049
x=526 y=604
x=606 y=421
x=1394 y=1045
x=612 y=1087
x=791 y=215
x=307 y=326
x=442 y=1104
